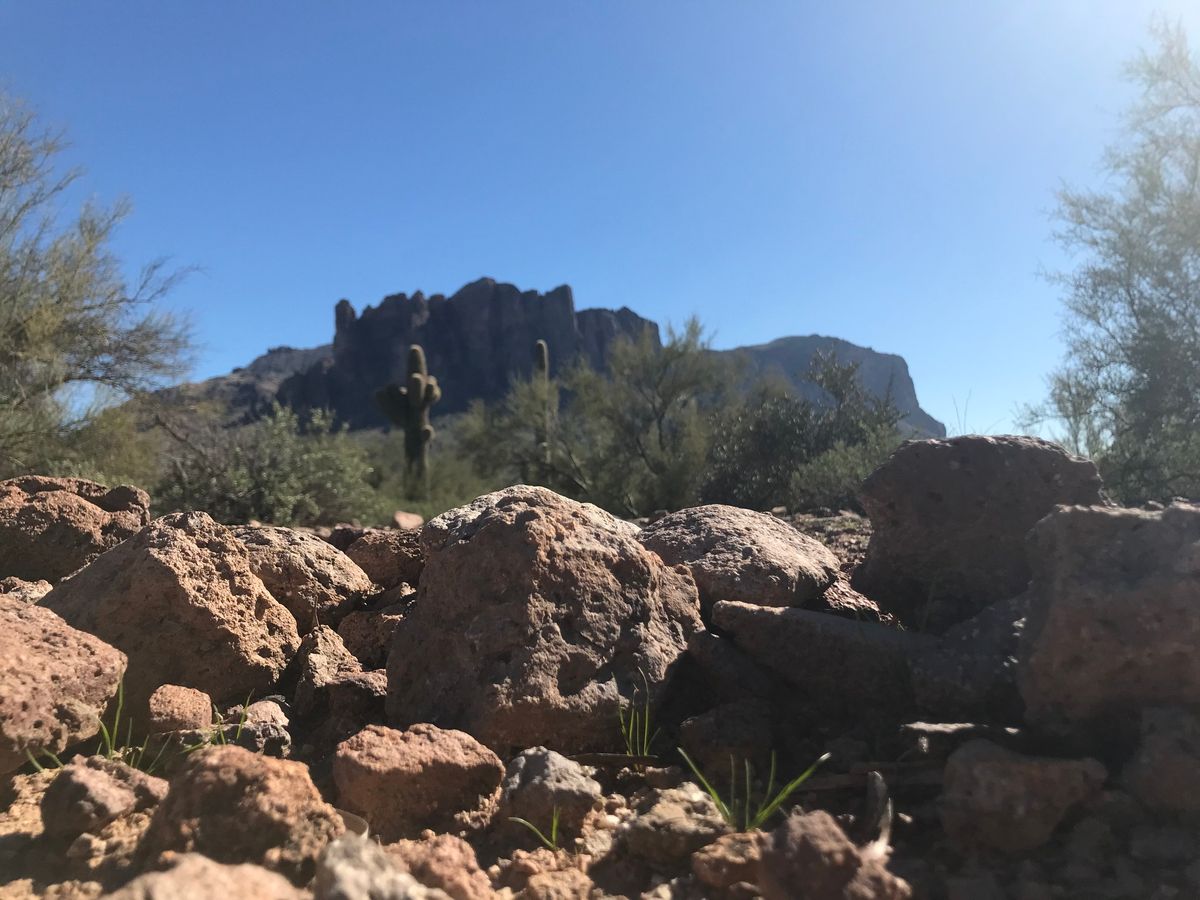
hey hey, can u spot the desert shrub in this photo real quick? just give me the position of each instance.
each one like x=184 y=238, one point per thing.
x=832 y=479
x=273 y=470
x=777 y=447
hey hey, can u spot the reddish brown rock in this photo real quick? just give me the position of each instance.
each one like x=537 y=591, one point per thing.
x=671 y=824
x=995 y=798
x=730 y=859
x=87 y=794
x=195 y=877
x=403 y=782
x=737 y=554
x=949 y=519
x=535 y=616
x=389 y=558
x=317 y=583
x=55 y=682
x=810 y=852
x=235 y=806
x=49 y=527
x=446 y=862
x=174 y=707
x=179 y=599
x=24 y=591
x=1114 y=618
x=321 y=660
x=368 y=633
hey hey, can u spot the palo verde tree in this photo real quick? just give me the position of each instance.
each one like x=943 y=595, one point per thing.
x=1128 y=392
x=74 y=332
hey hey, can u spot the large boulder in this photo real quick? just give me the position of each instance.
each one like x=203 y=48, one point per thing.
x=840 y=665
x=180 y=600
x=55 y=682
x=1115 y=617
x=949 y=519
x=403 y=782
x=316 y=582
x=738 y=554
x=49 y=527
x=235 y=806
x=534 y=617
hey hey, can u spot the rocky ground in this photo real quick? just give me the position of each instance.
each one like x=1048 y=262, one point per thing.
x=998 y=673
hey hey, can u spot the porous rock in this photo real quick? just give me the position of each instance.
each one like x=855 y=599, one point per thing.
x=368 y=633
x=235 y=806
x=55 y=682
x=540 y=782
x=403 y=782
x=669 y=825
x=445 y=862
x=949 y=519
x=1114 y=622
x=354 y=868
x=24 y=591
x=87 y=794
x=730 y=859
x=811 y=852
x=192 y=876
x=389 y=557
x=49 y=527
x=315 y=581
x=995 y=798
x=179 y=599
x=738 y=554
x=535 y=616
x=174 y=707
x=321 y=660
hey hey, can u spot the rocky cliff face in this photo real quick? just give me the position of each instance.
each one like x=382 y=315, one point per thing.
x=475 y=341
x=479 y=339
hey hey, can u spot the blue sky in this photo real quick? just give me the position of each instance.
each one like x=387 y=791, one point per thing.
x=879 y=171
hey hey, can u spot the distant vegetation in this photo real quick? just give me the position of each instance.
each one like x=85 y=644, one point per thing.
x=659 y=428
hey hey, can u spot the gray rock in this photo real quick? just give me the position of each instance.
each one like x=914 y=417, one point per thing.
x=352 y=868
x=538 y=781
x=841 y=665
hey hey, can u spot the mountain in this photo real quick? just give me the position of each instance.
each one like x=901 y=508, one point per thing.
x=481 y=337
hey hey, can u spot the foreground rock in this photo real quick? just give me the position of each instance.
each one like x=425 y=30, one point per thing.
x=195 y=877
x=55 y=682
x=87 y=794
x=535 y=614
x=177 y=708
x=539 y=784
x=180 y=600
x=49 y=527
x=315 y=581
x=949 y=520
x=389 y=558
x=1115 y=618
x=403 y=782
x=235 y=806
x=737 y=554
x=810 y=853
x=352 y=868
x=841 y=665
x=1002 y=800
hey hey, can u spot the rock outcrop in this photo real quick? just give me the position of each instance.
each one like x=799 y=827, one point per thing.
x=535 y=616
x=180 y=600
x=949 y=520
x=49 y=527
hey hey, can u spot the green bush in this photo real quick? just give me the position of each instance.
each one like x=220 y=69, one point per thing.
x=272 y=470
x=832 y=479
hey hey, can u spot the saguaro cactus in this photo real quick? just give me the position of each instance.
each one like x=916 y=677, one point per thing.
x=407 y=407
x=541 y=378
